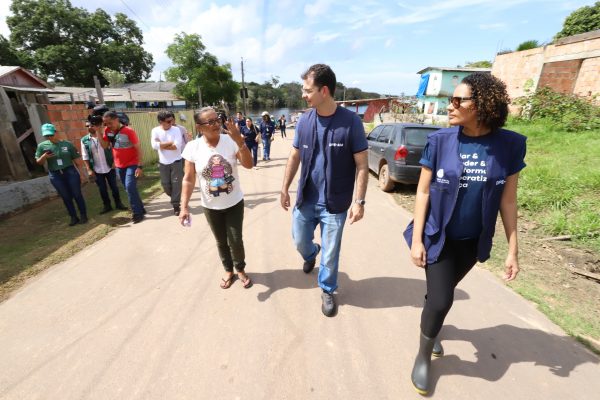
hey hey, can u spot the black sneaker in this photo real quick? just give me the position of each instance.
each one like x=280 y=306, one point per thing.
x=106 y=209
x=176 y=210
x=328 y=306
x=84 y=219
x=121 y=206
x=137 y=218
x=74 y=221
x=310 y=265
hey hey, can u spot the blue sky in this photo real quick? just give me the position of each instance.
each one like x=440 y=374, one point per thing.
x=374 y=45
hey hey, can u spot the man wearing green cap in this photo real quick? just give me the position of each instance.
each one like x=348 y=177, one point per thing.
x=64 y=176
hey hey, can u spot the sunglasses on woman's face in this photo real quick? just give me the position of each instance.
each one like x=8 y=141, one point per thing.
x=456 y=101
x=211 y=122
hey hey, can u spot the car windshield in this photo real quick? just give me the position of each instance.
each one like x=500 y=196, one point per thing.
x=417 y=136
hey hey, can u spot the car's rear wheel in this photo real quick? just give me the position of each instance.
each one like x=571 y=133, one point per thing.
x=385 y=183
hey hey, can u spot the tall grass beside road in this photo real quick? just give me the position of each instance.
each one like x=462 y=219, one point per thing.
x=559 y=195
x=560 y=188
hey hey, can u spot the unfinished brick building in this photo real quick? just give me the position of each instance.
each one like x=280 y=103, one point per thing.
x=571 y=65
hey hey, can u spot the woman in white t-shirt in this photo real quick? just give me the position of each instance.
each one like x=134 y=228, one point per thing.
x=213 y=157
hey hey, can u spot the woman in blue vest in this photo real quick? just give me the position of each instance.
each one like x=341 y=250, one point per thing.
x=267 y=129
x=469 y=173
x=250 y=133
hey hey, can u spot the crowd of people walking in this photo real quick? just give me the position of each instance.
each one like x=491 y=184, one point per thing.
x=469 y=175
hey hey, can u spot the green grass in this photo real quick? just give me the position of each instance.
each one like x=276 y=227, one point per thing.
x=38 y=237
x=560 y=188
x=559 y=194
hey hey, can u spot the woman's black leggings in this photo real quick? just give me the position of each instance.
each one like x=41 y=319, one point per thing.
x=455 y=261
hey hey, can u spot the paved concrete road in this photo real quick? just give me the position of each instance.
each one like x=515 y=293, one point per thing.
x=140 y=315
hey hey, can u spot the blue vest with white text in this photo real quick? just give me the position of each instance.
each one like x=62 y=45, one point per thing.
x=340 y=168
x=444 y=187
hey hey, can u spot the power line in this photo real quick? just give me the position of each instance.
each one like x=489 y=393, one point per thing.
x=134 y=13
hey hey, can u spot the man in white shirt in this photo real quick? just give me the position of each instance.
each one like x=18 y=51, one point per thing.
x=99 y=164
x=168 y=140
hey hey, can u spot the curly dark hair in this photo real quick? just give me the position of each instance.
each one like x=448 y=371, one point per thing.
x=490 y=98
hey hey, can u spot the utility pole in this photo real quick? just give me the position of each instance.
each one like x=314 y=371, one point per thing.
x=244 y=91
x=199 y=97
x=98 y=90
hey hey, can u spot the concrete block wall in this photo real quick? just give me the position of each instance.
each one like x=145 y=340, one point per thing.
x=15 y=196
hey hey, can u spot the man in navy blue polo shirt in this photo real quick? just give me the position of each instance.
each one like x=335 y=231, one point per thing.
x=330 y=145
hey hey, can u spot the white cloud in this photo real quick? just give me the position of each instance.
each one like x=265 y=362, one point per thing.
x=429 y=12
x=319 y=7
x=4 y=12
x=322 y=37
x=389 y=43
x=498 y=25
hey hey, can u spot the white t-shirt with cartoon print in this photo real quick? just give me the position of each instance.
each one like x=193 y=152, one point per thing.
x=216 y=168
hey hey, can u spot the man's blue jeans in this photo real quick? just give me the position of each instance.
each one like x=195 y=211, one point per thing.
x=305 y=220
x=127 y=176
x=68 y=185
x=266 y=148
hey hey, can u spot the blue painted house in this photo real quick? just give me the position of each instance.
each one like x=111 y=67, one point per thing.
x=437 y=84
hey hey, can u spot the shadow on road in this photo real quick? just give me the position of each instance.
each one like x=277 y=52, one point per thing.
x=381 y=292
x=498 y=347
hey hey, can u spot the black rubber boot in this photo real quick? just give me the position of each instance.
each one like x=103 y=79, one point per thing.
x=420 y=372
x=438 y=350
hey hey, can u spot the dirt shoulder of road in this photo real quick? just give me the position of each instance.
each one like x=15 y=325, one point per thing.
x=547 y=278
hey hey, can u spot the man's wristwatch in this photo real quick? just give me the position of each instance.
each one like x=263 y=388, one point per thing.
x=360 y=202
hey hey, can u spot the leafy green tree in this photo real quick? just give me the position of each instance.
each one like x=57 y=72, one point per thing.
x=528 y=45
x=70 y=45
x=478 y=64
x=194 y=68
x=584 y=19
x=8 y=55
x=114 y=78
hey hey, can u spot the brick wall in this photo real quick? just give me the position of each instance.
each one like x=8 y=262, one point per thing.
x=588 y=81
x=515 y=69
x=570 y=66
x=69 y=120
x=560 y=76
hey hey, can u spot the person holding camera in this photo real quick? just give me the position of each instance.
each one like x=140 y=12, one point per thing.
x=127 y=154
x=99 y=163
x=60 y=156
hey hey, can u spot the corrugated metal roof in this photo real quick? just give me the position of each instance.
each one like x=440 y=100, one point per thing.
x=5 y=70
x=10 y=69
x=28 y=89
x=110 y=94
x=150 y=86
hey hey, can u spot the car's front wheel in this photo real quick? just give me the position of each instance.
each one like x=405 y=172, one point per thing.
x=385 y=183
